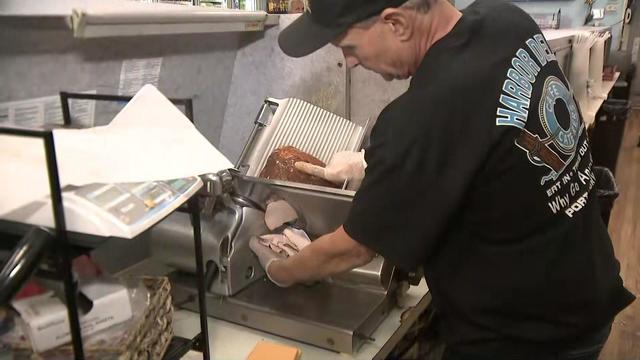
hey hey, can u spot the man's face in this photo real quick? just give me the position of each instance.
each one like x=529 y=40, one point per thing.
x=375 y=47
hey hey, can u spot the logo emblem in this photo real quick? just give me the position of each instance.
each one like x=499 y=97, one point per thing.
x=557 y=147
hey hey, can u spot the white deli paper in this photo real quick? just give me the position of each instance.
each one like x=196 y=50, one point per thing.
x=150 y=139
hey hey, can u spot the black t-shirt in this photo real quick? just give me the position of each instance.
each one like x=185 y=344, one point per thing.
x=481 y=173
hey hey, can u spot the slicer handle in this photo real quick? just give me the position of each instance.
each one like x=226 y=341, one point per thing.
x=258 y=124
x=215 y=185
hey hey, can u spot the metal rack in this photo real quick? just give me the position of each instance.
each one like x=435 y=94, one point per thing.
x=201 y=341
x=61 y=237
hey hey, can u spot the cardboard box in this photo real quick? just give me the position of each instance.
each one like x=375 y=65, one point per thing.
x=265 y=350
x=45 y=319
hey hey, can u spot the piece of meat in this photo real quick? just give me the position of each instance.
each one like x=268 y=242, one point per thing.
x=277 y=213
x=281 y=166
x=279 y=243
x=297 y=237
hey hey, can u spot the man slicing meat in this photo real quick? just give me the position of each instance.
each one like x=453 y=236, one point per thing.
x=480 y=173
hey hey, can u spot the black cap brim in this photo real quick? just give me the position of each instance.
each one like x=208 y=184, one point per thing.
x=303 y=36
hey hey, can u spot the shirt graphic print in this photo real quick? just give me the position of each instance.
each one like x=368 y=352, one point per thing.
x=555 y=138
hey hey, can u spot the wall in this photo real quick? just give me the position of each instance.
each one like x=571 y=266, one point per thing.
x=262 y=70
x=370 y=93
x=40 y=57
x=573 y=13
x=228 y=74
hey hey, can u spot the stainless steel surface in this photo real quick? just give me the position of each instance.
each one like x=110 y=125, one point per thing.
x=212 y=186
x=338 y=314
x=321 y=211
x=338 y=318
x=225 y=241
x=262 y=119
x=226 y=232
x=377 y=275
x=300 y=124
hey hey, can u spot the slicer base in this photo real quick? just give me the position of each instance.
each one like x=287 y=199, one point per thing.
x=330 y=316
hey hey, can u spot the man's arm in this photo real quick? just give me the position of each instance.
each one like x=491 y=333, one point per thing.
x=328 y=255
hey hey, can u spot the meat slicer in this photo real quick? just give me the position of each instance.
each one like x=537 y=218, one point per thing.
x=338 y=314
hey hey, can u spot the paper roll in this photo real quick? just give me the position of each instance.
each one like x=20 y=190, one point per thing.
x=579 y=72
x=578 y=75
x=596 y=65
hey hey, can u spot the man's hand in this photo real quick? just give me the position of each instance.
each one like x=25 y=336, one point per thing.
x=344 y=165
x=328 y=255
x=266 y=256
x=275 y=247
x=297 y=237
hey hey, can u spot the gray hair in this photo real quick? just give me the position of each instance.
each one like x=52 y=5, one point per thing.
x=420 y=6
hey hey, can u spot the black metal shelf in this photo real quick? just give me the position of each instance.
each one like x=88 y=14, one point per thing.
x=201 y=341
x=180 y=346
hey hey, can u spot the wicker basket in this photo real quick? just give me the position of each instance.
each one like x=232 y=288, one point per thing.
x=145 y=337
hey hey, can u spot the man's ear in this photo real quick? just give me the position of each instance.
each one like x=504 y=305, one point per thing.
x=399 y=21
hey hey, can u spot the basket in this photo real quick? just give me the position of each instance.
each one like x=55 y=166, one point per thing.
x=146 y=336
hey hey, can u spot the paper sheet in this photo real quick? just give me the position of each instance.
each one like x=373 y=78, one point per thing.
x=150 y=139
x=46 y=110
x=136 y=73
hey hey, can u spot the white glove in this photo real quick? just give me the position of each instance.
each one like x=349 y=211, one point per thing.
x=298 y=237
x=279 y=243
x=344 y=165
x=289 y=243
x=274 y=247
x=265 y=255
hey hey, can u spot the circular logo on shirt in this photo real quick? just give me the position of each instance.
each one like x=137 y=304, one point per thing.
x=564 y=138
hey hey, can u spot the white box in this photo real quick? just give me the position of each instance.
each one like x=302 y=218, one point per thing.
x=45 y=316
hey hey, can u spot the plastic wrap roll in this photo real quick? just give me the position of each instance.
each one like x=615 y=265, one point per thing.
x=596 y=65
x=579 y=74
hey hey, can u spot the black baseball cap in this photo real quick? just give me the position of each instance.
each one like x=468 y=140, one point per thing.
x=325 y=20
